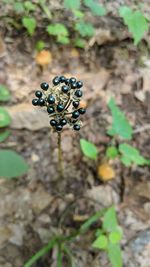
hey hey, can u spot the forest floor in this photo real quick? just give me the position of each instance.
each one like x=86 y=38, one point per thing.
x=31 y=207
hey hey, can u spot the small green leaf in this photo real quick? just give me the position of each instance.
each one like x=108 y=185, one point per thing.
x=40 y=45
x=101 y=242
x=29 y=6
x=115 y=237
x=4 y=135
x=95 y=8
x=30 y=24
x=4 y=93
x=18 y=7
x=72 y=4
x=63 y=39
x=99 y=232
x=131 y=155
x=88 y=149
x=120 y=124
x=135 y=21
x=4 y=118
x=11 y=164
x=78 y=14
x=85 y=29
x=111 y=152
x=110 y=220
x=79 y=42
x=57 y=29
x=114 y=255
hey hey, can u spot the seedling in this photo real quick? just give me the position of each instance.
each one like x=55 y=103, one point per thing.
x=62 y=101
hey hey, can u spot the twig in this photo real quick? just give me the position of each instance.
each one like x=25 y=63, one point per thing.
x=60 y=160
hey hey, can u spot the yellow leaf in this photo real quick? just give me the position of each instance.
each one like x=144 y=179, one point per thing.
x=105 y=172
x=43 y=57
x=74 y=53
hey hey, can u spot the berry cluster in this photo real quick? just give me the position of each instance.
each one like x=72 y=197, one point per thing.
x=62 y=100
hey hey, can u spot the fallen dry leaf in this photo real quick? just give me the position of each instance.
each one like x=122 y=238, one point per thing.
x=74 y=53
x=105 y=172
x=83 y=104
x=43 y=58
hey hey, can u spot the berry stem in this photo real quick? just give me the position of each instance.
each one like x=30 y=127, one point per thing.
x=60 y=159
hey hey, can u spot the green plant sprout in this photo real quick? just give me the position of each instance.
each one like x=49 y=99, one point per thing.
x=62 y=101
x=120 y=129
x=109 y=228
x=11 y=163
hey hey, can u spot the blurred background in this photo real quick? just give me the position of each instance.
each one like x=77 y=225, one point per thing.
x=106 y=44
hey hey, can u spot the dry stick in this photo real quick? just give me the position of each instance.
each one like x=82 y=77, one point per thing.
x=60 y=160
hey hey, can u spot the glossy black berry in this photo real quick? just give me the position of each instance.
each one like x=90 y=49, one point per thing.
x=53 y=122
x=76 y=127
x=50 y=110
x=66 y=81
x=73 y=85
x=41 y=102
x=63 y=122
x=51 y=99
x=62 y=79
x=56 y=80
x=78 y=93
x=38 y=94
x=75 y=104
x=35 y=102
x=44 y=86
x=79 y=84
x=72 y=80
x=82 y=110
x=75 y=114
x=60 y=107
x=59 y=127
x=65 y=89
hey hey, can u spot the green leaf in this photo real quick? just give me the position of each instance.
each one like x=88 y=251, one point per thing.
x=40 y=45
x=111 y=152
x=41 y=253
x=11 y=164
x=110 y=220
x=114 y=255
x=85 y=29
x=29 y=6
x=101 y=242
x=4 y=135
x=63 y=39
x=79 y=42
x=88 y=149
x=4 y=118
x=30 y=24
x=85 y=226
x=18 y=7
x=95 y=8
x=57 y=29
x=4 y=93
x=136 y=22
x=131 y=155
x=72 y=4
x=115 y=237
x=120 y=124
x=78 y=14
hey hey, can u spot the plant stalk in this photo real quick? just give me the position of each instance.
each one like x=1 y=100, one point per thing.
x=60 y=159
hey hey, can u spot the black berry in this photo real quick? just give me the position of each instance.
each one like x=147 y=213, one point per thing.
x=73 y=85
x=60 y=107
x=56 y=80
x=66 y=81
x=65 y=89
x=82 y=110
x=75 y=104
x=59 y=127
x=38 y=94
x=51 y=99
x=35 y=102
x=63 y=122
x=79 y=84
x=75 y=114
x=78 y=93
x=44 y=86
x=72 y=80
x=62 y=79
x=50 y=110
x=41 y=102
x=53 y=122
x=76 y=127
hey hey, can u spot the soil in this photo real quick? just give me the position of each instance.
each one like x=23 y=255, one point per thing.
x=39 y=204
